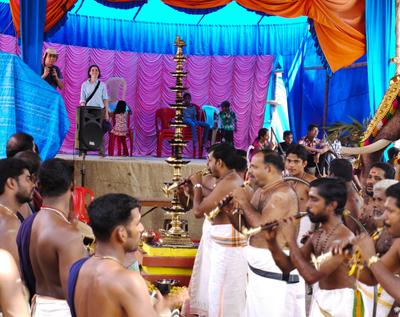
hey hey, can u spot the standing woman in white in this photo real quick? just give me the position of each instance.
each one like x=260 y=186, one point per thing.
x=94 y=94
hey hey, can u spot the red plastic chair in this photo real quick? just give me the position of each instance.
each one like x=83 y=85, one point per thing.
x=164 y=131
x=81 y=198
x=116 y=138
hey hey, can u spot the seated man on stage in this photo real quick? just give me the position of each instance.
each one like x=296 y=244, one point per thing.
x=115 y=220
x=190 y=118
x=226 y=279
x=48 y=243
x=316 y=149
x=334 y=290
x=268 y=291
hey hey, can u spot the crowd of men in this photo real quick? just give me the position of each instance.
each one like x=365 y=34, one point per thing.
x=345 y=248
x=276 y=230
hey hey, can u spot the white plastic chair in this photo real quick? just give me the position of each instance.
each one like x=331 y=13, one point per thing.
x=116 y=87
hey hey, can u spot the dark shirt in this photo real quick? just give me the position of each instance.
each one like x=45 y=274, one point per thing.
x=284 y=146
x=190 y=113
x=50 y=78
x=72 y=279
x=23 y=243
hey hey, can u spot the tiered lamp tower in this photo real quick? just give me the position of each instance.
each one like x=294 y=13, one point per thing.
x=176 y=235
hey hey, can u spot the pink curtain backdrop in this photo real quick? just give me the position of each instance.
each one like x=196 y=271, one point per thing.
x=243 y=80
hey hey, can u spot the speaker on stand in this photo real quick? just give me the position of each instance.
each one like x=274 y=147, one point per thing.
x=89 y=133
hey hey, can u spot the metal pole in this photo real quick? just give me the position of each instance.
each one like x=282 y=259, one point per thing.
x=397 y=37
x=326 y=99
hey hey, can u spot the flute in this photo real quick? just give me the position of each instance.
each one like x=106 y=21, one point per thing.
x=348 y=248
x=215 y=212
x=268 y=226
x=167 y=190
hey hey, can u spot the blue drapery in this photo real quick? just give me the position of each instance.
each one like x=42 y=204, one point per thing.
x=381 y=37
x=348 y=92
x=159 y=37
x=33 y=14
x=31 y=105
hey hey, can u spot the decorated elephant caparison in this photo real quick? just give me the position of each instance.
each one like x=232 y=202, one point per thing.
x=383 y=129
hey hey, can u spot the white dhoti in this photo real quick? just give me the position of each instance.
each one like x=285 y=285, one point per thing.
x=198 y=288
x=272 y=297
x=44 y=306
x=337 y=302
x=384 y=303
x=228 y=271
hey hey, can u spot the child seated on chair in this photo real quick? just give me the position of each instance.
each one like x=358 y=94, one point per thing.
x=120 y=129
x=228 y=122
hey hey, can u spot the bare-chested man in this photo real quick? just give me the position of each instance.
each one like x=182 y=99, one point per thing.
x=267 y=290
x=295 y=164
x=48 y=243
x=343 y=169
x=33 y=160
x=227 y=273
x=378 y=172
x=100 y=286
x=199 y=281
x=12 y=300
x=334 y=289
x=384 y=269
x=16 y=188
x=383 y=241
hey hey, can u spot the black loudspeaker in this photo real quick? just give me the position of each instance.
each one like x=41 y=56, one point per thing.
x=90 y=132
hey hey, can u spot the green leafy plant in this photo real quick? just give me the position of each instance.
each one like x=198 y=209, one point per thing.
x=348 y=133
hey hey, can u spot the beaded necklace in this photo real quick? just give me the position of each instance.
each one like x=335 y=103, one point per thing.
x=319 y=249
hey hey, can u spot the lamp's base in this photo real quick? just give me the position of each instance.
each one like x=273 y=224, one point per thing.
x=176 y=241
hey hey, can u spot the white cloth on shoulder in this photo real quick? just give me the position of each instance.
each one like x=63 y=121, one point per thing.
x=335 y=302
x=45 y=306
x=271 y=297
x=198 y=288
x=228 y=270
x=384 y=303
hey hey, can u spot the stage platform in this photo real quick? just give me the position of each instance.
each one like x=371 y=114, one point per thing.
x=141 y=177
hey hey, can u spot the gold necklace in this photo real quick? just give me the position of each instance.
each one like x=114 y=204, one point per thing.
x=108 y=257
x=9 y=211
x=58 y=212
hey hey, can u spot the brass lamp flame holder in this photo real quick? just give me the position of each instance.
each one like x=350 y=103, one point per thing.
x=176 y=236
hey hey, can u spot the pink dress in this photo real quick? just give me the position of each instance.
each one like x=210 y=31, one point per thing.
x=121 y=127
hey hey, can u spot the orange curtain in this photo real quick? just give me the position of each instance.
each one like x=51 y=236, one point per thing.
x=55 y=10
x=339 y=24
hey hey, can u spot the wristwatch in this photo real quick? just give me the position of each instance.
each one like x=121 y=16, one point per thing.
x=198 y=186
x=373 y=259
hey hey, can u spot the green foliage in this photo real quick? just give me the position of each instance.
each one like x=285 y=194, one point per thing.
x=348 y=133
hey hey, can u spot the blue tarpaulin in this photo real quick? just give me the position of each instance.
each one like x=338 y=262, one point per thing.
x=31 y=105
